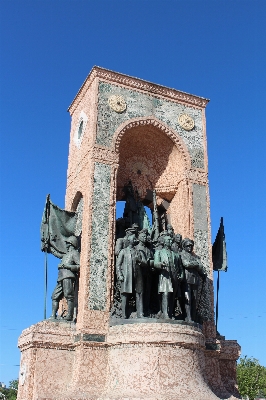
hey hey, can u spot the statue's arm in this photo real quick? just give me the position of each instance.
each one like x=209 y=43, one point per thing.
x=157 y=260
x=76 y=258
x=56 y=253
x=119 y=263
x=181 y=271
x=188 y=262
x=119 y=246
x=73 y=264
x=201 y=269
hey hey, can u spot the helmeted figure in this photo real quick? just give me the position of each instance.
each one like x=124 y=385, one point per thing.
x=67 y=273
x=166 y=261
x=125 y=270
x=122 y=243
x=193 y=270
x=143 y=274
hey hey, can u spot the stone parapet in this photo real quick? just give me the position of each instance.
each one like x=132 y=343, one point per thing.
x=146 y=360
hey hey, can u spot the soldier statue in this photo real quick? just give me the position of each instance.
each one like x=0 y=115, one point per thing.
x=165 y=261
x=143 y=274
x=67 y=274
x=193 y=271
x=125 y=268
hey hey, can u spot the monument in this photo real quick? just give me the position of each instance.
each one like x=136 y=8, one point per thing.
x=132 y=310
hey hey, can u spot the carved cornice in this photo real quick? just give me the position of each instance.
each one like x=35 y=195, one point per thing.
x=142 y=121
x=138 y=84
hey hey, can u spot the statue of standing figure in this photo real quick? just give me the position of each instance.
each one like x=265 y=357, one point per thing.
x=178 y=274
x=193 y=271
x=143 y=274
x=165 y=260
x=125 y=269
x=67 y=274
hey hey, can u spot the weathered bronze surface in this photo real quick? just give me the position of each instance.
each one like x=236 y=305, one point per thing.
x=67 y=273
x=157 y=274
x=193 y=271
x=58 y=238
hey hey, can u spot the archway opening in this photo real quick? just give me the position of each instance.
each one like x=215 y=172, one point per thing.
x=149 y=160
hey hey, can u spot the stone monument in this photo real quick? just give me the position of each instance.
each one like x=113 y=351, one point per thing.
x=137 y=299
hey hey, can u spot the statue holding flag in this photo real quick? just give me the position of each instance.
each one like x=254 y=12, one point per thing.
x=58 y=238
x=67 y=271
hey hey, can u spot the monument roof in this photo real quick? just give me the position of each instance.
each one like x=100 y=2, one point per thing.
x=140 y=85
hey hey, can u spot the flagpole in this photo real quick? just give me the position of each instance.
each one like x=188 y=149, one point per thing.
x=47 y=215
x=45 y=282
x=217 y=299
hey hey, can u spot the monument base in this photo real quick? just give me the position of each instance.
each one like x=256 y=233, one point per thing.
x=146 y=360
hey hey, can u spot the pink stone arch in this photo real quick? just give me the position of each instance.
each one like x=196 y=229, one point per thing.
x=142 y=121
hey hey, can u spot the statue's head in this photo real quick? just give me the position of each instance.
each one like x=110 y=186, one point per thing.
x=143 y=235
x=131 y=231
x=178 y=238
x=132 y=240
x=188 y=245
x=160 y=240
x=170 y=230
x=167 y=241
x=135 y=227
x=72 y=240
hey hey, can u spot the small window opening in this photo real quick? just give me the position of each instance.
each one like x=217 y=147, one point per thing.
x=80 y=129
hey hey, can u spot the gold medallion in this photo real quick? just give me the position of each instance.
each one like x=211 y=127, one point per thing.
x=117 y=103
x=186 y=122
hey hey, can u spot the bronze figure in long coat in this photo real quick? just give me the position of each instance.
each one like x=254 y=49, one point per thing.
x=125 y=269
x=166 y=261
x=193 y=271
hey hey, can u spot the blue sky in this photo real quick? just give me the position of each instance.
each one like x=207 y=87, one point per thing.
x=214 y=49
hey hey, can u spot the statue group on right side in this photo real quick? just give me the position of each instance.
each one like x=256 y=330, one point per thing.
x=158 y=274
x=166 y=269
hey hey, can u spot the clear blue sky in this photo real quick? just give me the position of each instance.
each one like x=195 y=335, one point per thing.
x=214 y=49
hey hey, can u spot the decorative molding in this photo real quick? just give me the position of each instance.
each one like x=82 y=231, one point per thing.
x=186 y=122
x=142 y=121
x=117 y=103
x=140 y=84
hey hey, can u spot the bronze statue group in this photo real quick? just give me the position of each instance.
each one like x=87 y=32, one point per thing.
x=157 y=273
x=163 y=276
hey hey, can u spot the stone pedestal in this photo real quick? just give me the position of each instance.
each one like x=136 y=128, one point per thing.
x=146 y=360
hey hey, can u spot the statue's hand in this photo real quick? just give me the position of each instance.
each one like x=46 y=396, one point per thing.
x=204 y=276
x=121 y=278
x=164 y=265
x=186 y=296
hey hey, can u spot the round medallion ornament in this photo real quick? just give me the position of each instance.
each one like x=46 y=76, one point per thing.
x=117 y=103
x=186 y=122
